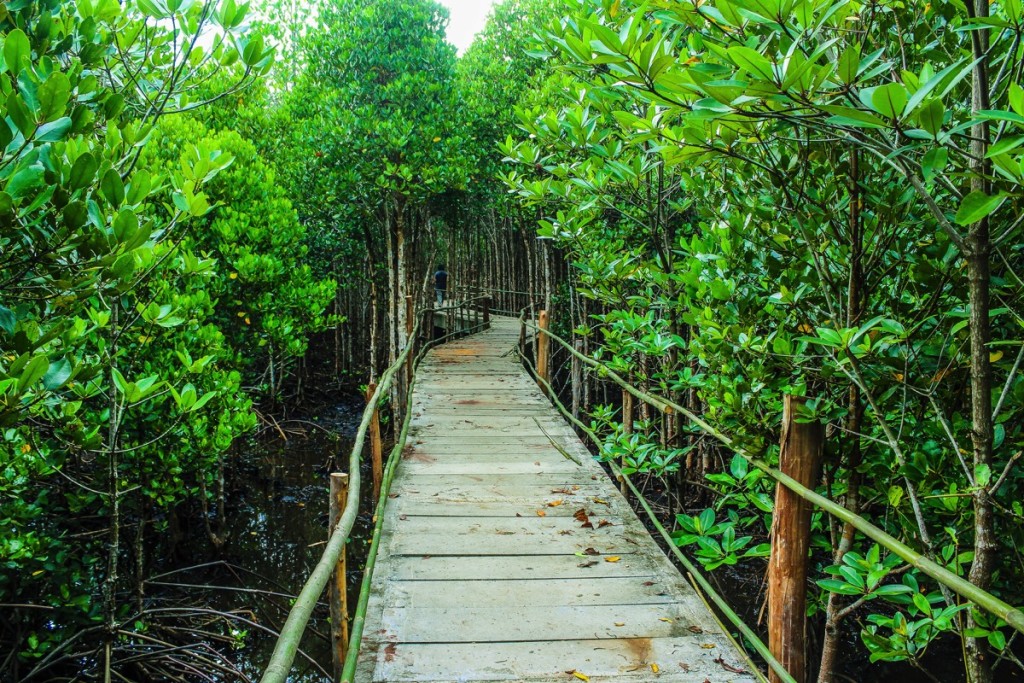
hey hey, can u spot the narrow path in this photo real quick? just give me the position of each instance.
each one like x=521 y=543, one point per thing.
x=487 y=570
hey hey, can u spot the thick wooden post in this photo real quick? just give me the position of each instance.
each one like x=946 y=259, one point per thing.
x=627 y=429
x=522 y=337
x=800 y=457
x=338 y=585
x=487 y=311
x=543 y=347
x=376 y=447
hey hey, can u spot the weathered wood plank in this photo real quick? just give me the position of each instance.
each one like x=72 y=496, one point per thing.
x=486 y=573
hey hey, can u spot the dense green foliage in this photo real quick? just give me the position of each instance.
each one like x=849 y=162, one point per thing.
x=130 y=240
x=757 y=198
x=767 y=203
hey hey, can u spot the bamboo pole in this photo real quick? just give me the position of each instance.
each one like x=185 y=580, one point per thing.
x=376 y=446
x=627 y=431
x=577 y=379
x=990 y=603
x=339 y=585
x=543 y=347
x=800 y=456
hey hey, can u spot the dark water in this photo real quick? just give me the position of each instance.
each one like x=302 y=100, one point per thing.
x=278 y=506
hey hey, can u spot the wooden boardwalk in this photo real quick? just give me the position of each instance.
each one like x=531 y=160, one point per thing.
x=488 y=570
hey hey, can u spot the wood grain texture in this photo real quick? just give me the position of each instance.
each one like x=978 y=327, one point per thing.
x=485 y=571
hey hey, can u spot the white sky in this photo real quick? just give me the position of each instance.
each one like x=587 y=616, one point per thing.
x=467 y=19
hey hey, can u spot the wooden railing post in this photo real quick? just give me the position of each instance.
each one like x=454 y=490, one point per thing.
x=487 y=311
x=577 y=378
x=800 y=457
x=522 y=336
x=543 y=347
x=409 y=325
x=627 y=430
x=376 y=446
x=339 y=585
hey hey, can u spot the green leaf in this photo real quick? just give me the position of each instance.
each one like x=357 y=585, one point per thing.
x=112 y=188
x=16 y=51
x=849 y=116
x=24 y=181
x=33 y=372
x=849 y=63
x=752 y=61
x=54 y=131
x=7 y=319
x=83 y=171
x=837 y=586
x=889 y=100
x=20 y=114
x=934 y=162
x=57 y=374
x=53 y=96
x=1004 y=146
x=977 y=205
x=931 y=116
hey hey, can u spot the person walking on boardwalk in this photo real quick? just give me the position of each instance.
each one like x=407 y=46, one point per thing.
x=440 y=284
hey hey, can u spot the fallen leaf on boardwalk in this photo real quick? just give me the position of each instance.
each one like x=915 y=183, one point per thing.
x=684 y=666
x=590 y=551
x=518 y=515
x=505 y=533
x=541 y=513
x=537 y=463
x=564 y=489
x=708 y=646
x=654 y=667
x=565 y=532
x=600 y=502
x=582 y=516
x=648 y=583
x=555 y=503
x=620 y=623
x=729 y=667
x=603 y=523
x=613 y=558
x=585 y=565
x=403 y=517
x=666 y=620
x=696 y=629
x=392 y=495
x=579 y=675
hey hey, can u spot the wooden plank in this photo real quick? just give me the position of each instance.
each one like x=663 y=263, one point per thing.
x=633 y=590
x=555 y=622
x=472 y=584
x=678 y=659
x=495 y=569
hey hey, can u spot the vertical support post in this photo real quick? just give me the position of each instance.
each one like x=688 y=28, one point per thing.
x=409 y=325
x=577 y=378
x=339 y=585
x=376 y=446
x=522 y=336
x=487 y=311
x=800 y=457
x=627 y=429
x=543 y=347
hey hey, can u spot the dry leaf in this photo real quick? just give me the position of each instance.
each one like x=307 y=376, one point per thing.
x=696 y=629
x=708 y=646
x=582 y=516
x=620 y=623
x=648 y=583
x=555 y=503
x=541 y=513
x=729 y=667
x=590 y=551
x=654 y=667
x=603 y=523
x=613 y=558
x=666 y=620
x=581 y=676
x=600 y=502
x=585 y=565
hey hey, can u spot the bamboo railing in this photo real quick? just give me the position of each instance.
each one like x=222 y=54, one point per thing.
x=294 y=628
x=965 y=589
